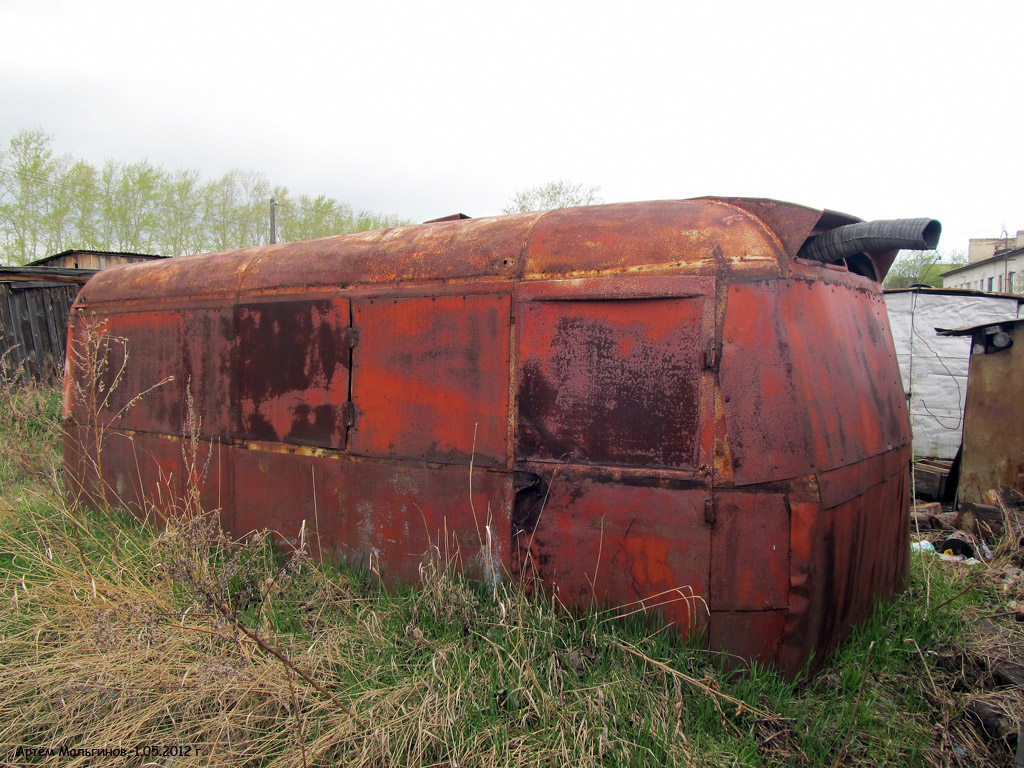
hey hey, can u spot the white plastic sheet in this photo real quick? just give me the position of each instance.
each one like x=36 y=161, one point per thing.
x=934 y=368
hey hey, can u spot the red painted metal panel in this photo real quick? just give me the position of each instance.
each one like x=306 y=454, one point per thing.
x=80 y=472
x=208 y=336
x=842 y=560
x=808 y=378
x=808 y=585
x=601 y=542
x=840 y=485
x=790 y=224
x=709 y=236
x=312 y=486
x=385 y=515
x=750 y=551
x=470 y=248
x=611 y=382
x=154 y=476
x=401 y=509
x=745 y=636
x=290 y=372
x=127 y=371
x=431 y=377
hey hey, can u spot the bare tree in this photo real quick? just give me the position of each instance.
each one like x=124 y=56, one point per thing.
x=555 y=194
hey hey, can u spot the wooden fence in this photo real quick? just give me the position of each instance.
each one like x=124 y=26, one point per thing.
x=34 y=326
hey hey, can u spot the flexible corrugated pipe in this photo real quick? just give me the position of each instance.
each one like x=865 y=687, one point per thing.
x=871 y=237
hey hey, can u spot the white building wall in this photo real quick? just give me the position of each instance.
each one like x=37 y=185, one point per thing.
x=934 y=368
x=1006 y=276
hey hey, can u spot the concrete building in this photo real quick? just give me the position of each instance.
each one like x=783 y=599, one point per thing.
x=994 y=265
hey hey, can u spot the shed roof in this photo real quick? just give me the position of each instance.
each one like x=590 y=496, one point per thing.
x=47 y=259
x=933 y=291
x=971 y=330
x=46 y=274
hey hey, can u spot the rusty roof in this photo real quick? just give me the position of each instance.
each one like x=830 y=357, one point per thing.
x=749 y=237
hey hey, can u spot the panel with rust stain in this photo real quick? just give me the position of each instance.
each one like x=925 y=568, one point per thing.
x=153 y=476
x=611 y=381
x=402 y=509
x=127 y=371
x=208 y=336
x=746 y=636
x=843 y=559
x=290 y=372
x=604 y=543
x=430 y=378
x=704 y=237
x=306 y=489
x=808 y=378
x=749 y=551
x=377 y=513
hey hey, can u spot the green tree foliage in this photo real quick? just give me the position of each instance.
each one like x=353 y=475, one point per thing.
x=26 y=169
x=51 y=203
x=555 y=194
x=922 y=268
x=181 y=227
x=305 y=218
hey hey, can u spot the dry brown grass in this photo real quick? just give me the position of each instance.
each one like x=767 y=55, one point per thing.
x=192 y=640
x=182 y=639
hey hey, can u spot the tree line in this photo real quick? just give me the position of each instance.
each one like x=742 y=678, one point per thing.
x=51 y=203
x=922 y=268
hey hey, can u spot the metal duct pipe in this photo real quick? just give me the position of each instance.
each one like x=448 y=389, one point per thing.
x=872 y=236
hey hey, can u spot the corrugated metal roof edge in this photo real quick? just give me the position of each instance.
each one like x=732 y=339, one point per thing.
x=955 y=292
x=970 y=330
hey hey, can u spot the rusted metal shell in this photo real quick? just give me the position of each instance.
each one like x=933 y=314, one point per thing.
x=649 y=405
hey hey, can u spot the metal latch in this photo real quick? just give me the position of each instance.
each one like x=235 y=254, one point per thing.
x=710 y=356
x=348 y=413
x=709 y=512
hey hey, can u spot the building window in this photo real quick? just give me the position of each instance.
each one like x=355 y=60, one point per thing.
x=1000 y=283
x=1009 y=282
x=990 y=284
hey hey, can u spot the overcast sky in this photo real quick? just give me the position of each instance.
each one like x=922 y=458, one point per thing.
x=878 y=109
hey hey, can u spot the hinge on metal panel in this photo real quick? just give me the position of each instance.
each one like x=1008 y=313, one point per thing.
x=353 y=337
x=710 y=361
x=709 y=512
x=348 y=413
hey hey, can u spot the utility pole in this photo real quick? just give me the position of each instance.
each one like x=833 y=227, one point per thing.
x=273 y=221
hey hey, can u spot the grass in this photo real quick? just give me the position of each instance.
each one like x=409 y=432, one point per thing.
x=186 y=648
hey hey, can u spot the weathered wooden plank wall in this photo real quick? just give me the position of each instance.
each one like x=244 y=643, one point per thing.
x=34 y=328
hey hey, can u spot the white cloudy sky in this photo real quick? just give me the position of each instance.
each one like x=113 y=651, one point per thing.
x=879 y=109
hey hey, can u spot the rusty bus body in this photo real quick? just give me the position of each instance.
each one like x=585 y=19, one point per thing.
x=658 y=405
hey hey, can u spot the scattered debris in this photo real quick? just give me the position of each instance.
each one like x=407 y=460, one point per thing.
x=995 y=712
x=981 y=520
x=931 y=477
